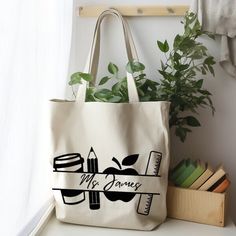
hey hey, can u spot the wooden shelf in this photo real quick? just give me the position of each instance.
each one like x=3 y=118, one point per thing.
x=161 y=10
x=169 y=228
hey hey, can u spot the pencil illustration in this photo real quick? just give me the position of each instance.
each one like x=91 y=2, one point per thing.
x=94 y=197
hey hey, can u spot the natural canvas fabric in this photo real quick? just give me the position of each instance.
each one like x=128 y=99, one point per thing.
x=110 y=160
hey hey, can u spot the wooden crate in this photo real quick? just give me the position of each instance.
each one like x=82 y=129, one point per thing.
x=197 y=206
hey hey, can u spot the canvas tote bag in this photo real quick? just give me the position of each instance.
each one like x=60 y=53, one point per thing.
x=110 y=160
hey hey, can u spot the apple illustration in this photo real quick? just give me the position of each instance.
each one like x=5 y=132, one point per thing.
x=127 y=161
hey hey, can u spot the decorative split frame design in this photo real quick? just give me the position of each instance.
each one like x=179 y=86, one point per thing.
x=116 y=183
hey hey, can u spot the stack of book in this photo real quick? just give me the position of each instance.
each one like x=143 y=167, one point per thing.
x=199 y=175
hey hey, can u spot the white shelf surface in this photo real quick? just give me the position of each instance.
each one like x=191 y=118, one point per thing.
x=169 y=228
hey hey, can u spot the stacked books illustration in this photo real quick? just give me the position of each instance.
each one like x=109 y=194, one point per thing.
x=199 y=175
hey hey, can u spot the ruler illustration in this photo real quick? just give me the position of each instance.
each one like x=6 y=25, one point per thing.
x=153 y=166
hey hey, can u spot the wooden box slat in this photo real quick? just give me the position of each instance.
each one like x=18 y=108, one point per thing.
x=197 y=206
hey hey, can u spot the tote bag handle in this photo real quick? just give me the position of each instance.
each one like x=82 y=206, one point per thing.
x=94 y=56
x=129 y=42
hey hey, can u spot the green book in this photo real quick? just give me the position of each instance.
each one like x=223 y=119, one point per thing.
x=190 y=167
x=201 y=167
x=178 y=169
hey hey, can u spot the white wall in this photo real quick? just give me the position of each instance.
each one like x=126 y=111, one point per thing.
x=215 y=141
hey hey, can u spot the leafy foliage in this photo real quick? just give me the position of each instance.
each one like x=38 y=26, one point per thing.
x=180 y=84
x=184 y=63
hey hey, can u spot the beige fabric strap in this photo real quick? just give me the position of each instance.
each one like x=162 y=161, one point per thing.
x=93 y=57
x=130 y=46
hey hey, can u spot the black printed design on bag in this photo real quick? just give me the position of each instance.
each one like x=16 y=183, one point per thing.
x=70 y=162
x=145 y=200
x=118 y=182
x=127 y=161
x=94 y=197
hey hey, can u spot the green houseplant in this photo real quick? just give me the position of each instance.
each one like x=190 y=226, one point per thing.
x=186 y=61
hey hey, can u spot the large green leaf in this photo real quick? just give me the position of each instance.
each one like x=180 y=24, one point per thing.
x=103 y=94
x=164 y=47
x=86 y=76
x=75 y=78
x=115 y=99
x=134 y=66
x=104 y=80
x=181 y=133
x=112 y=68
x=192 y=121
x=199 y=83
